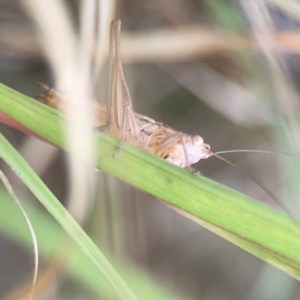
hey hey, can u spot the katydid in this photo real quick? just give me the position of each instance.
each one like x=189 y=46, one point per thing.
x=119 y=119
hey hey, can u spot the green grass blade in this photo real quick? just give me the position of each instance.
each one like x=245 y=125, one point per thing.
x=39 y=189
x=77 y=265
x=255 y=227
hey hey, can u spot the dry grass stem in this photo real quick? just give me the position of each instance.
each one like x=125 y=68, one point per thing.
x=31 y=230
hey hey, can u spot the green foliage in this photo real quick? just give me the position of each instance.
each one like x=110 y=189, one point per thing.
x=266 y=233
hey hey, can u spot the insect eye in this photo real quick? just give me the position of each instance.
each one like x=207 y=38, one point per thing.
x=197 y=140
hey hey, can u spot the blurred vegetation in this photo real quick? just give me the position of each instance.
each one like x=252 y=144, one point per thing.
x=215 y=81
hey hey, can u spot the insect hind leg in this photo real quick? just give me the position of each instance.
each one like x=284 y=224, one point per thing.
x=125 y=120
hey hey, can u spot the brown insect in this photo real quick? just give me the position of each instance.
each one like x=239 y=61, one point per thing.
x=119 y=119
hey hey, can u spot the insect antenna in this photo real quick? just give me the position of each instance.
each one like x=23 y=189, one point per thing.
x=258 y=151
x=276 y=200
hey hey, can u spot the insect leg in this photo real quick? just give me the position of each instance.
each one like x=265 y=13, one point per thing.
x=174 y=139
x=182 y=139
x=122 y=117
x=110 y=80
x=124 y=132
